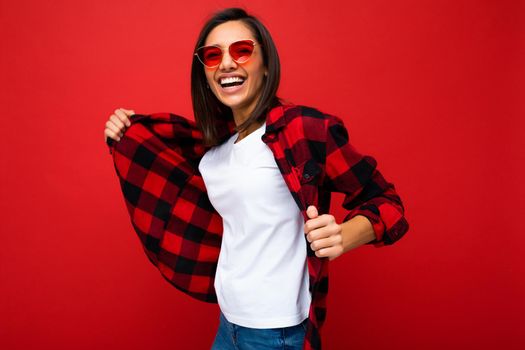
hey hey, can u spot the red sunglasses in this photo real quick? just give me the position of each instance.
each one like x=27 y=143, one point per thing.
x=211 y=55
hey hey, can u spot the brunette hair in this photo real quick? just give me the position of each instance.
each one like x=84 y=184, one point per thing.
x=207 y=109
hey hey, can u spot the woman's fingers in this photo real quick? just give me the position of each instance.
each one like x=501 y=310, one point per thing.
x=110 y=124
x=117 y=123
x=122 y=114
x=129 y=112
x=112 y=131
x=111 y=134
x=113 y=128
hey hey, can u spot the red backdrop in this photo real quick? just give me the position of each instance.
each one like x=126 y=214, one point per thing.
x=433 y=89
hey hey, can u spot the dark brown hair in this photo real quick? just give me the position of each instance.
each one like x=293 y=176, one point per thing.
x=208 y=110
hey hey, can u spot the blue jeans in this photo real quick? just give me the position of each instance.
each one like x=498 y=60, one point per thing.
x=231 y=336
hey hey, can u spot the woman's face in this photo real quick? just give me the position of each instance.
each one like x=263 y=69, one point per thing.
x=240 y=98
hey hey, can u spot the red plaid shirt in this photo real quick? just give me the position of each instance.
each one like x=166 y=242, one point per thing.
x=157 y=165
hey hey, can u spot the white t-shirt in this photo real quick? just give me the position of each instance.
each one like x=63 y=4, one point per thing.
x=262 y=273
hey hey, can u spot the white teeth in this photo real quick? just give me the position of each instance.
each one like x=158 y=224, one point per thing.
x=229 y=80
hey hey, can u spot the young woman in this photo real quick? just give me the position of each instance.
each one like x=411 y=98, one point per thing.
x=252 y=176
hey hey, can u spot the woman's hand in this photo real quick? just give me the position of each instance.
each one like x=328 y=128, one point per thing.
x=117 y=124
x=324 y=234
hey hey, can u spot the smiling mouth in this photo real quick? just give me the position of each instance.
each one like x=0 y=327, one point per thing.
x=227 y=85
x=230 y=82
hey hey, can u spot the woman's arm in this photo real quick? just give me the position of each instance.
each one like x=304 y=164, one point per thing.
x=367 y=193
x=356 y=232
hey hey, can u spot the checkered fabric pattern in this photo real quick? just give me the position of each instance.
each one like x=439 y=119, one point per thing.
x=156 y=162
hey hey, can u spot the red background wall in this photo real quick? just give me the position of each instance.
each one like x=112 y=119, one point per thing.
x=433 y=89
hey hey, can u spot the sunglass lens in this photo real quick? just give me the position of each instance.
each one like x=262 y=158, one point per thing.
x=210 y=56
x=241 y=50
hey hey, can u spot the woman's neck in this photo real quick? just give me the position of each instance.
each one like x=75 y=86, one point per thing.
x=240 y=116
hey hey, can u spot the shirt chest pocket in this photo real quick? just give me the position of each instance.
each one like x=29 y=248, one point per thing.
x=308 y=172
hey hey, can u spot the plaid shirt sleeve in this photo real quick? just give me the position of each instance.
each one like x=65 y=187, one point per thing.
x=366 y=191
x=156 y=164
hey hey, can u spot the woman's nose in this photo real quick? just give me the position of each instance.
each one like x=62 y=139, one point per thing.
x=227 y=62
